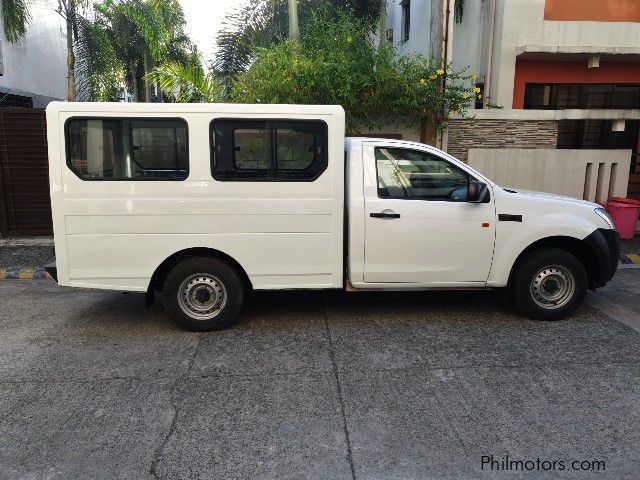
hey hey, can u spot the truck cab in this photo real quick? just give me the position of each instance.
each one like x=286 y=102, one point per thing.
x=204 y=203
x=419 y=218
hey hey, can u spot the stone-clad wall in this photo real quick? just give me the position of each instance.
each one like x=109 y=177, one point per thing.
x=464 y=134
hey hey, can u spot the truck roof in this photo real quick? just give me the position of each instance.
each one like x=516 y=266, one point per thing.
x=231 y=108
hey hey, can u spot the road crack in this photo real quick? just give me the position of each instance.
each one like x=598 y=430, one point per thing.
x=153 y=469
x=343 y=414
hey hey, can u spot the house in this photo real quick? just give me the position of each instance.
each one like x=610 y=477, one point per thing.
x=33 y=73
x=34 y=69
x=573 y=65
x=552 y=74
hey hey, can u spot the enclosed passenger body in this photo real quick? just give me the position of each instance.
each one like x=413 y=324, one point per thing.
x=133 y=185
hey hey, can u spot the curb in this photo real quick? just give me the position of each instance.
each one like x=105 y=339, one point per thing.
x=23 y=273
x=629 y=260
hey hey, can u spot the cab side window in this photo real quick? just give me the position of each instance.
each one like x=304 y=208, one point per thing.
x=414 y=175
x=268 y=150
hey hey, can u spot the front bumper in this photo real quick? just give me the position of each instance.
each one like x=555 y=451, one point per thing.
x=606 y=247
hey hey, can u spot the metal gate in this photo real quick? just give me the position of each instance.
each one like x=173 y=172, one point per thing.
x=25 y=205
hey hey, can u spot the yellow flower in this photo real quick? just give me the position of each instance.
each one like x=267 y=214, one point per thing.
x=433 y=77
x=465 y=96
x=349 y=39
x=440 y=71
x=479 y=97
x=474 y=76
x=423 y=81
x=477 y=89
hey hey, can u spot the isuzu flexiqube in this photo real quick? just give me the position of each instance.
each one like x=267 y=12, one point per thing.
x=204 y=203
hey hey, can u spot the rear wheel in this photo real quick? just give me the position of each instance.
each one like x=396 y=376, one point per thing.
x=203 y=294
x=549 y=284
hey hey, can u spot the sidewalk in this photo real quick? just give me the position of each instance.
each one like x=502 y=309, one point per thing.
x=25 y=258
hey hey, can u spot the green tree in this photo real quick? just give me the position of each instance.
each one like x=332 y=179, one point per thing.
x=161 y=24
x=458 y=10
x=188 y=81
x=258 y=24
x=15 y=18
x=97 y=62
x=72 y=11
x=125 y=40
x=336 y=63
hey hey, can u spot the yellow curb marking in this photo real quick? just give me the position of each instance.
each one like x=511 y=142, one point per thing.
x=26 y=274
x=634 y=257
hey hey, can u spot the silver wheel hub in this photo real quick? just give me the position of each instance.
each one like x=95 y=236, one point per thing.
x=552 y=287
x=202 y=296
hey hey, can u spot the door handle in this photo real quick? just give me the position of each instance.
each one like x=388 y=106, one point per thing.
x=384 y=215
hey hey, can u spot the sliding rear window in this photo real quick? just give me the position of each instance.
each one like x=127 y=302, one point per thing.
x=127 y=148
x=268 y=150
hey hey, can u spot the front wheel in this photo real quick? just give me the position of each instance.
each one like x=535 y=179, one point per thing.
x=549 y=284
x=203 y=294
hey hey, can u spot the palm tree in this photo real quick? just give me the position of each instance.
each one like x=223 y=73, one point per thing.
x=15 y=18
x=72 y=12
x=161 y=24
x=458 y=10
x=257 y=24
x=188 y=82
x=125 y=39
x=294 y=26
x=98 y=67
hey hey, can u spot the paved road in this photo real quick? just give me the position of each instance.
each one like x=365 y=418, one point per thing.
x=316 y=386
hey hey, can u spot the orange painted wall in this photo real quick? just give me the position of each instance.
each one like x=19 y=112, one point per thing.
x=592 y=10
x=534 y=71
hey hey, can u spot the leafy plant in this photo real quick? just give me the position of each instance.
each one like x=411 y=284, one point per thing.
x=124 y=41
x=336 y=63
x=188 y=82
x=261 y=23
x=97 y=62
x=15 y=18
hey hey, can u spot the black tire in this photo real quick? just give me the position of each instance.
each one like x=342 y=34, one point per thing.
x=546 y=273
x=203 y=282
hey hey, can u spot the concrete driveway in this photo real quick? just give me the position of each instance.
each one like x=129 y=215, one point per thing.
x=318 y=386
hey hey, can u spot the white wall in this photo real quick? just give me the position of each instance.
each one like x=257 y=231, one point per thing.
x=471 y=39
x=564 y=172
x=420 y=31
x=37 y=64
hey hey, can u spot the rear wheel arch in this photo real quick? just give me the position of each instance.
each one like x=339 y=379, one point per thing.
x=161 y=272
x=576 y=247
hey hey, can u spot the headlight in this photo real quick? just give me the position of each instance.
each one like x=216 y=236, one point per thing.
x=602 y=213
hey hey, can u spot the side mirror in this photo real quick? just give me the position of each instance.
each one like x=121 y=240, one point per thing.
x=478 y=192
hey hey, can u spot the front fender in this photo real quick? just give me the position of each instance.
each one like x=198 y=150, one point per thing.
x=513 y=238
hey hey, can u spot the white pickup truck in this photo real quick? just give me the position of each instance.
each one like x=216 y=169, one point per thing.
x=207 y=202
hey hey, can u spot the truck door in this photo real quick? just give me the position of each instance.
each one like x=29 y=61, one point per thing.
x=419 y=228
